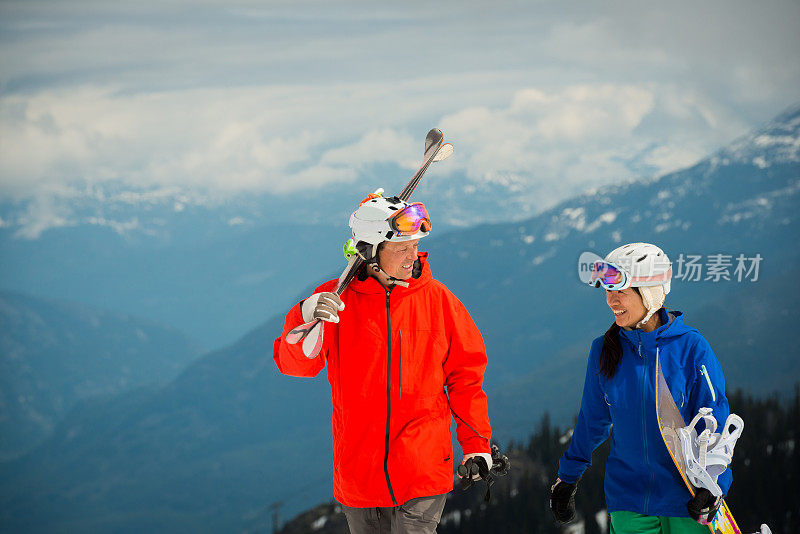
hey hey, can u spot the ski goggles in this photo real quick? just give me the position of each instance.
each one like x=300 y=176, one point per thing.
x=614 y=278
x=410 y=219
x=609 y=276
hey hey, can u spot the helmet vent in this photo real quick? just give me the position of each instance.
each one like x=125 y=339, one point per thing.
x=642 y=258
x=393 y=208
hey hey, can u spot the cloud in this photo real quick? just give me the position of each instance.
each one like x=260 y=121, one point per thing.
x=581 y=112
x=200 y=146
x=209 y=101
x=668 y=156
x=376 y=146
x=552 y=144
x=42 y=213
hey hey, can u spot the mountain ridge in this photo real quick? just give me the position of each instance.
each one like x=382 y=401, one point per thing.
x=55 y=353
x=201 y=451
x=216 y=271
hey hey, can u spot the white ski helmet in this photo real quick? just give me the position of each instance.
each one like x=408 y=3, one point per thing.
x=639 y=265
x=380 y=219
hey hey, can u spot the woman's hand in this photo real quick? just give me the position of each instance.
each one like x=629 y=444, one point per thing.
x=562 y=500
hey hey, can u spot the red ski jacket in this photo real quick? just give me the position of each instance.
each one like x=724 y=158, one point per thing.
x=399 y=362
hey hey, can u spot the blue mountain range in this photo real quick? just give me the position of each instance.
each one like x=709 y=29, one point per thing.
x=229 y=436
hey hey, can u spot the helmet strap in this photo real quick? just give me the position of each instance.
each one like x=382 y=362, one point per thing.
x=392 y=281
x=647 y=317
x=367 y=251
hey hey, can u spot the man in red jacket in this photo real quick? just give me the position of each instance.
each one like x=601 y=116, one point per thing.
x=404 y=357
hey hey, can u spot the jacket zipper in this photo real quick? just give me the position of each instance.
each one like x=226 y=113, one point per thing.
x=644 y=425
x=388 y=395
x=708 y=379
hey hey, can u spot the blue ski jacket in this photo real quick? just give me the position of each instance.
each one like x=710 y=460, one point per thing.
x=640 y=474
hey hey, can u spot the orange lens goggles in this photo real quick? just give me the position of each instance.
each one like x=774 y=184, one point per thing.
x=410 y=219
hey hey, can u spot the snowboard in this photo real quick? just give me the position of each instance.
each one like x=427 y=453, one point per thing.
x=669 y=421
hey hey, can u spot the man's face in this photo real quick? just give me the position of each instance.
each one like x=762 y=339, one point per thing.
x=397 y=258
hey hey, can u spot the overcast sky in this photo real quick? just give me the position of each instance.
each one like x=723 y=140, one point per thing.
x=233 y=97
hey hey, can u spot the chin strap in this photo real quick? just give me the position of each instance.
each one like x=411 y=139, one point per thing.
x=646 y=319
x=708 y=455
x=392 y=281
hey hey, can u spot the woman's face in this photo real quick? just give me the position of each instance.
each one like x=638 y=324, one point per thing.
x=627 y=306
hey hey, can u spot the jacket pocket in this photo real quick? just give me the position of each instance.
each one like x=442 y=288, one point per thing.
x=612 y=395
x=620 y=394
x=422 y=355
x=677 y=390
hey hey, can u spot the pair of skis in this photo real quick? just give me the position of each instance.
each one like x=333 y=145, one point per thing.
x=311 y=333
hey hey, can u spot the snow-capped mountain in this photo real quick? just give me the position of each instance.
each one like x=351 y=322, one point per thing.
x=230 y=436
x=776 y=143
x=216 y=269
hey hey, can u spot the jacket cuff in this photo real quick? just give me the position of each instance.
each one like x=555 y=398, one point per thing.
x=570 y=471
x=475 y=445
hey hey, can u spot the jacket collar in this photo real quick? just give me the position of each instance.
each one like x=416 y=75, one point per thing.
x=371 y=285
x=672 y=326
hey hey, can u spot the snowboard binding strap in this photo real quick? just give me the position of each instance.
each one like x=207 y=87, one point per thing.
x=708 y=454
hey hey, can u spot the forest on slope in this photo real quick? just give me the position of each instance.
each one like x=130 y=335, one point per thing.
x=766 y=471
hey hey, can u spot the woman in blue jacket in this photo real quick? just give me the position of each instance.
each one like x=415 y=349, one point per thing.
x=644 y=491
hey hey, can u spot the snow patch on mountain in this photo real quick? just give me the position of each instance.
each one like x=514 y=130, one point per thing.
x=119 y=227
x=760 y=206
x=541 y=258
x=551 y=236
x=606 y=218
x=777 y=142
x=575 y=219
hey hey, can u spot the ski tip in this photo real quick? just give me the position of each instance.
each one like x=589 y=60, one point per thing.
x=292 y=338
x=445 y=151
x=295 y=336
x=434 y=137
x=299 y=333
x=312 y=344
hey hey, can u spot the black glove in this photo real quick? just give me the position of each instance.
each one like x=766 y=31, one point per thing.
x=562 y=500
x=703 y=507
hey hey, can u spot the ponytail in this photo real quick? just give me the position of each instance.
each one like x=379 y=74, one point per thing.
x=611 y=354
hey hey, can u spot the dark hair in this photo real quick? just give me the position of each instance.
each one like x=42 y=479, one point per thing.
x=611 y=354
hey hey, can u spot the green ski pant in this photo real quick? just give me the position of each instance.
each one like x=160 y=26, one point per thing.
x=633 y=523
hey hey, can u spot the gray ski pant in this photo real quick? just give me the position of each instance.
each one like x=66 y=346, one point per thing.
x=417 y=516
